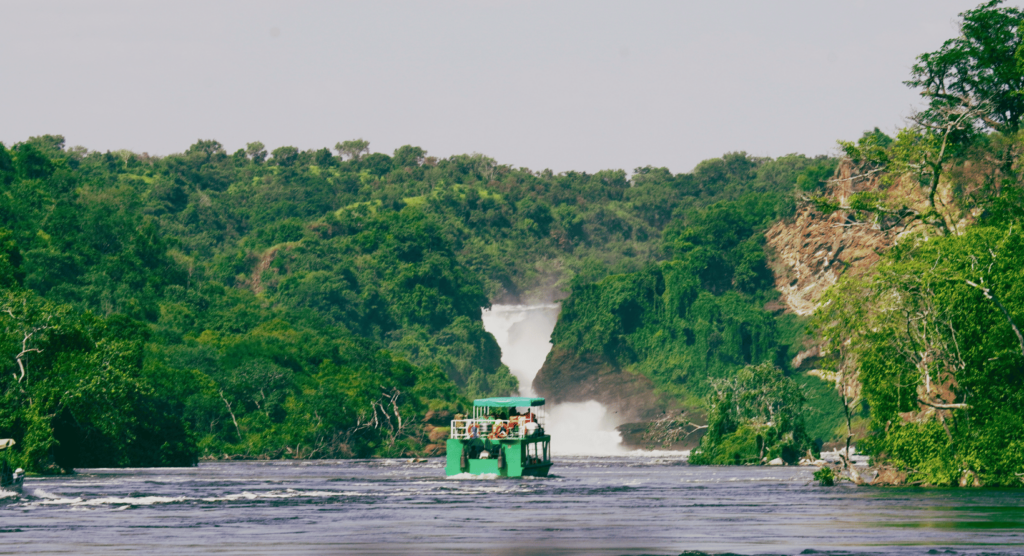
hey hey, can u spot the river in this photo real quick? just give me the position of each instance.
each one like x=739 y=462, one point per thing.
x=601 y=499
x=629 y=504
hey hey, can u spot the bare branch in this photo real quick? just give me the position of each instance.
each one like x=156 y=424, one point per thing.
x=944 y=405
x=857 y=177
x=232 y=413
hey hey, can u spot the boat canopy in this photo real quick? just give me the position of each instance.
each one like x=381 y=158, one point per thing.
x=508 y=402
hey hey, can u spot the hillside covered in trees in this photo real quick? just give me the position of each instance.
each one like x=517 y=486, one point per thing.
x=295 y=304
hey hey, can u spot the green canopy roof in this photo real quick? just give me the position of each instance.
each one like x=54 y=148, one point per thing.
x=508 y=402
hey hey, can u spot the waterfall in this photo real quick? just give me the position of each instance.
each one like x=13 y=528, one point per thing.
x=524 y=334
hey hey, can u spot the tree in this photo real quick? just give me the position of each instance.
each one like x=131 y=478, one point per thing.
x=33 y=162
x=71 y=393
x=932 y=337
x=7 y=167
x=753 y=416
x=972 y=85
x=974 y=82
x=256 y=152
x=206 y=149
x=285 y=156
x=978 y=70
x=10 y=260
x=408 y=156
x=920 y=152
x=839 y=324
x=354 y=149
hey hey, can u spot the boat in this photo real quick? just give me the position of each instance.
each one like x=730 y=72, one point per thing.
x=9 y=480
x=504 y=437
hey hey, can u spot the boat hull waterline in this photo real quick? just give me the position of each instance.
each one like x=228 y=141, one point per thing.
x=516 y=451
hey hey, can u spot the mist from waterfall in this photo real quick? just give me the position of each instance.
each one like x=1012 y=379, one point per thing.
x=524 y=334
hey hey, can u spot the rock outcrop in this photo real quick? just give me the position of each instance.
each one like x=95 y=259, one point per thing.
x=810 y=251
x=571 y=377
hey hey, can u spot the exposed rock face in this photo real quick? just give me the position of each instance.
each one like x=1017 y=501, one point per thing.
x=804 y=357
x=811 y=251
x=570 y=377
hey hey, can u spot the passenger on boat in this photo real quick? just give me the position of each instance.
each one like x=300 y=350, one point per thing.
x=499 y=431
x=531 y=428
x=473 y=429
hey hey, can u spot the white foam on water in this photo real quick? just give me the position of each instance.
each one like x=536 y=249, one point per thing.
x=51 y=499
x=131 y=501
x=40 y=493
x=524 y=334
x=472 y=477
x=124 y=502
x=583 y=429
x=661 y=454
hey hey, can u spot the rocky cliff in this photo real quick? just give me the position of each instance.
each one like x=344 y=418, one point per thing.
x=571 y=377
x=809 y=252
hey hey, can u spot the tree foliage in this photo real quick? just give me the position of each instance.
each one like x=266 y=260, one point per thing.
x=301 y=304
x=976 y=72
x=934 y=335
x=754 y=416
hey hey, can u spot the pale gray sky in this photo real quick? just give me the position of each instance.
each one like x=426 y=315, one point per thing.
x=581 y=85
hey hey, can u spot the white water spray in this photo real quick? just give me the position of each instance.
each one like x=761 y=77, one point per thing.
x=524 y=334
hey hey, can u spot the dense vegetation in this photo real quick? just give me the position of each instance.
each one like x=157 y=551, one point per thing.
x=293 y=304
x=699 y=317
x=931 y=337
x=147 y=323
x=754 y=417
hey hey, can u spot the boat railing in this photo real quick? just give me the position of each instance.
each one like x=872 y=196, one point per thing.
x=461 y=428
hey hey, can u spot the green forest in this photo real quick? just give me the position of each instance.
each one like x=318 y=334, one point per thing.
x=326 y=303
x=319 y=303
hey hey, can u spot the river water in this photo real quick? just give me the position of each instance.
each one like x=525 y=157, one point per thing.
x=612 y=501
x=628 y=504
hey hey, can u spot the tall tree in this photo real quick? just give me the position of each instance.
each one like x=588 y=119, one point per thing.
x=978 y=68
x=974 y=82
x=354 y=149
x=972 y=85
x=256 y=151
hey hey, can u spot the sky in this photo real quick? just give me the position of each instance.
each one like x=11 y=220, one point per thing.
x=571 y=85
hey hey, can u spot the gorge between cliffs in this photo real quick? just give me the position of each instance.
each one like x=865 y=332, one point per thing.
x=584 y=427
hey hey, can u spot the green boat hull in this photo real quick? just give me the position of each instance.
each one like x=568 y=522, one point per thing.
x=524 y=457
